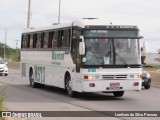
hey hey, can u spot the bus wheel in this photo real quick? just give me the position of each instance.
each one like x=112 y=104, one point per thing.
x=68 y=86
x=118 y=93
x=31 y=79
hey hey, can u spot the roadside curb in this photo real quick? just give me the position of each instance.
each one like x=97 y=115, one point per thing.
x=156 y=85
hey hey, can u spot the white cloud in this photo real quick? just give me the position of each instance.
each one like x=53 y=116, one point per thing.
x=143 y=13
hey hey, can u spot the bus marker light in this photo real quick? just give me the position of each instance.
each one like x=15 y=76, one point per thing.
x=86 y=77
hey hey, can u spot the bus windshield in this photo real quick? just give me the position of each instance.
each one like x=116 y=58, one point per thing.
x=110 y=51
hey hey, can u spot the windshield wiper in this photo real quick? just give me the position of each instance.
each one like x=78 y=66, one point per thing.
x=106 y=55
x=123 y=60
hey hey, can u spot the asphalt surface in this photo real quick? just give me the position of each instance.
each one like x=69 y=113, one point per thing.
x=21 y=97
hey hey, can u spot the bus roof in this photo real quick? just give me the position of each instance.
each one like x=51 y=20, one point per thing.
x=81 y=23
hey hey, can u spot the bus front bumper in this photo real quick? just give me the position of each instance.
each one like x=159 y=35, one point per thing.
x=110 y=85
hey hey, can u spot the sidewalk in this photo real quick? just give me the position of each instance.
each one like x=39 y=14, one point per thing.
x=14 y=65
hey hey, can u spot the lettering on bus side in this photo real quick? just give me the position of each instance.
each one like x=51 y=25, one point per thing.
x=56 y=57
x=39 y=74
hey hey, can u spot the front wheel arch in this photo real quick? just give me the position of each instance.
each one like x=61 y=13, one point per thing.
x=68 y=85
x=31 y=78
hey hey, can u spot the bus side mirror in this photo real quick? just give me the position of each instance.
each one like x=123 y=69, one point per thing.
x=81 y=48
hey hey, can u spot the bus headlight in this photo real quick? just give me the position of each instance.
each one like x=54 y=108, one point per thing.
x=91 y=77
x=135 y=76
x=148 y=75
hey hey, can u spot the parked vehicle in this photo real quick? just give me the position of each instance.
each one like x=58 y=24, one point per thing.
x=146 y=79
x=3 y=68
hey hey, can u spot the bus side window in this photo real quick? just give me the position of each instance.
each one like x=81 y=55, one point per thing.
x=28 y=41
x=69 y=38
x=73 y=51
x=76 y=32
x=55 y=39
x=51 y=37
x=34 y=40
x=42 y=40
x=31 y=41
x=66 y=38
x=38 y=44
x=60 y=38
x=46 y=39
x=24 y=38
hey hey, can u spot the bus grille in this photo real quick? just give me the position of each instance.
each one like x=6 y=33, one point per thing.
x=114 y=77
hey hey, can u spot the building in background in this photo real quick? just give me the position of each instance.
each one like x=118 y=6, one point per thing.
x=152 y=59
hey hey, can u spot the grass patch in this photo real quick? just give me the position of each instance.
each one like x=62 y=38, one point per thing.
x=1 y=104
x=152 y=68
x=1 y=107
x=3 y=90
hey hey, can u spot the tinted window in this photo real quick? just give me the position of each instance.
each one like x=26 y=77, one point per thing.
x=31 y=41
x=38 y=44
x=55 y=39
x=46 y=39
x=66 y=38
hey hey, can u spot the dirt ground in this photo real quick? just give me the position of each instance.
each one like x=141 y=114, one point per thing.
x=14 y=65
x=155 y=77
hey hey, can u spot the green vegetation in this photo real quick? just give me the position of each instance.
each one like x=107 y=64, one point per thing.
x=158 y=51
x=1 y=108
x=3 y=90
x=1 y=104
x=10 y=53
x=152 y=68
x=2 y=96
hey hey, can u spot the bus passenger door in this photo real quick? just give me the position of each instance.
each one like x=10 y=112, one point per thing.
x=75 y=54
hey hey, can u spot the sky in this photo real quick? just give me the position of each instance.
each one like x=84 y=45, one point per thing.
x=142 y=13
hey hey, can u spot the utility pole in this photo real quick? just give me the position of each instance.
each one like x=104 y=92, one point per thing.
x=16 y=44
x=29 y=14
x=59 y=13
x=17 y=48
x=5 y=40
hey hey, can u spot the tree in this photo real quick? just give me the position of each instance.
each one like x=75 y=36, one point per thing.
x=10 y=53
x=158 y=51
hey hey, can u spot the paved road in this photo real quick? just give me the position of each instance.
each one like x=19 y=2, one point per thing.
x=21 y=97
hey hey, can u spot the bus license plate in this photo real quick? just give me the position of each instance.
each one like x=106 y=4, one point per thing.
x=114 y=85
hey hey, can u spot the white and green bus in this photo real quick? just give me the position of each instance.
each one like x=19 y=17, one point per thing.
x=88 y=55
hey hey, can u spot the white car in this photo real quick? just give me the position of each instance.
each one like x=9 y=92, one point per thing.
x=3 y=68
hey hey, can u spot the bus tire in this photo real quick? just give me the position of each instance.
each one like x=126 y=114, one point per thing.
x=148 y=85
x=118 y=93
x=68 y=86
x=31 y=79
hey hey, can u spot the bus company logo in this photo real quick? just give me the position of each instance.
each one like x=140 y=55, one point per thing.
x=6 y=114
x=157 y=59
x=57 y=56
